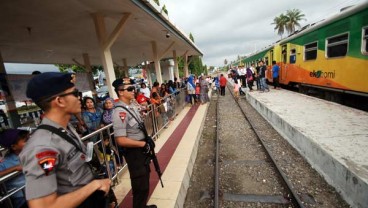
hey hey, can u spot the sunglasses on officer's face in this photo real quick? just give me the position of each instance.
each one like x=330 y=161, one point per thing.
x=75 y=92
x=129 y=89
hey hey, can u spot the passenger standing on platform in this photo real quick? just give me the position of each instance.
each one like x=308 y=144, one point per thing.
x=155 y=88
x=91 y=116
x=275 y=75
x=236 y=90
x=204 y=90
x=256 y=77
x=223 y=82
x=191 y=89
x=242 y=72
x=262 y=76
x=56 y=171
x=13 y=140
x=250 y=79
x=197 y=93
x=129 y=136
x=145 y=90
x=107 y=112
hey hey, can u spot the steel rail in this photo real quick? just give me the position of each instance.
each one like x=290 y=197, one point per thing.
x=294 y=198
x=217 y=166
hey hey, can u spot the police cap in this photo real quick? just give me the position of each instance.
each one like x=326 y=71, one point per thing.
x=48 y=84
x=122 y=81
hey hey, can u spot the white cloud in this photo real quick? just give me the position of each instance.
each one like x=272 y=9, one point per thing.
x=224 y=29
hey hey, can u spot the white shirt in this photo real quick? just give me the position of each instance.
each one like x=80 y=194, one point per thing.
x=146 y=92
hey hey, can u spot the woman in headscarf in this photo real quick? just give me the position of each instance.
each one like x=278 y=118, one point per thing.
x=191 y=89
x=107 y=113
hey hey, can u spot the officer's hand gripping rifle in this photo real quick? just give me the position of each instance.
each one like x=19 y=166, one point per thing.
x=151 y=152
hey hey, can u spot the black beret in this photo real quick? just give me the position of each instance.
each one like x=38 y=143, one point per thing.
x=48 y=84
x=122 y=81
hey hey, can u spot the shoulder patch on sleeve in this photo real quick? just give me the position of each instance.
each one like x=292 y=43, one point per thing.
x=47 y=164
x=122 y=116
x=47 y=160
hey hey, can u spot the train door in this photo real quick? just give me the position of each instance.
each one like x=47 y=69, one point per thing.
x=272 y=58
x=283 y=64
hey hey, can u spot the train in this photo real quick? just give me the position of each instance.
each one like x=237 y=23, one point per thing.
x=329 y=57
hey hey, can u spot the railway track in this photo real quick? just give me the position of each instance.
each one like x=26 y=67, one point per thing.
x=242 y=179
x=246 y=176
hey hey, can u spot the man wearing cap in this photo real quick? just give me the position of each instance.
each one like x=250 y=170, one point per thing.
x=56 y=172
x=129 y=136
x=13 y=140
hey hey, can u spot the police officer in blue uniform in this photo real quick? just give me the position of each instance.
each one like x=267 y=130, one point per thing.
x=56 y=171
x=129 y=136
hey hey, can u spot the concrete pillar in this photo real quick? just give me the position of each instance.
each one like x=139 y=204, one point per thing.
x=171 y=69
x=106 y=42
x=186 y=70
x=156 y=60
x=88 y=67
x=11 y=109
x=176 y=66
x=125 y=68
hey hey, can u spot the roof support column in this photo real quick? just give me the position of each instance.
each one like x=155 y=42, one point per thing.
x=87 y=66
x=176 y=67
x=14 y=118
x=125 y=67
x=186 y=73
x=156 y=60
x=106 y=42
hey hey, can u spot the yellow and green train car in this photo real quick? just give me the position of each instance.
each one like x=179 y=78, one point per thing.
x=331 y=55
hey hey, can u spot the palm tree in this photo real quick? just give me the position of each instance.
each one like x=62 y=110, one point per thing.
x=280 y=24
x=294 y=16
x=288 y=22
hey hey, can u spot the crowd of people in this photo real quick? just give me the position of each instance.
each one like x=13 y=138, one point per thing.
x=53 y=159
x=254 y=75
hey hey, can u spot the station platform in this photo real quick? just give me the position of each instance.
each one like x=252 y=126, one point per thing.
x=333 y=139
x=176 y=150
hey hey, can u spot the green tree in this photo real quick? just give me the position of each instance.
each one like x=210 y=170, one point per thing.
x=191 y=37
x=76 y=68
x=165 y=10
x=225 y=62
x=157 y=2
x=280 y=24
x=288 y=22
x=196 y=65
x=294 y=16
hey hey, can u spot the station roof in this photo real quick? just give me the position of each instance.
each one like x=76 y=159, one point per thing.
x=49 y=32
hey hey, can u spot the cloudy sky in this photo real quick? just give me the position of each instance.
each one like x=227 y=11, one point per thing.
x=224 y=29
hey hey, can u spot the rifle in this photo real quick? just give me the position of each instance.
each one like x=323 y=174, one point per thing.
x=151 y=154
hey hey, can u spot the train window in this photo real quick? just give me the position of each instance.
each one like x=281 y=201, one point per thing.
x=310 y=51
x=337 y=46
x=365 y=41
x=292 y=56
x=266 y=60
